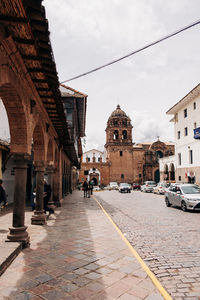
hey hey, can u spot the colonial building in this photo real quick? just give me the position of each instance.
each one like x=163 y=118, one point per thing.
x=123 y=161
x=187 y=135
x=41 y=134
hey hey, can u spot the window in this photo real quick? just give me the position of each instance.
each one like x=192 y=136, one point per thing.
x=93 y=169
x=99 y=159
x=86 y=172
x=121 y=153
x=116 y=135
x=178 y=135
x=122 y=176
x=185 y=113
x=186 y=131
x=195 y=125
x=88 y=159
x=179 y=178
x=190 y=157
x=194 y=105
x=179 y=159
x=124 y=135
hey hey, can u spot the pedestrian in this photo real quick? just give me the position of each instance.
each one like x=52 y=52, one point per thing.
x=90 y=187
x=46 y=198
x=85 y=187
x=3 y=197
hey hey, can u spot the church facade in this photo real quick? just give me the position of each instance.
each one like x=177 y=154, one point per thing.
x=123 y=160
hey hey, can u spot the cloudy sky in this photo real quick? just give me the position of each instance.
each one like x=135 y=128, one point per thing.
x=88 y=33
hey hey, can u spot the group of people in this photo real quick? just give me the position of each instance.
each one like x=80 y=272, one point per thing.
x=87 y=188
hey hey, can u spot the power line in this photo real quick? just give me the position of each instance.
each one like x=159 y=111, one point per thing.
x=136 y=51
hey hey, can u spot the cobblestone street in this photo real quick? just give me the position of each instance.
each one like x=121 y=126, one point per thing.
x=77 y=255
x=165 y=237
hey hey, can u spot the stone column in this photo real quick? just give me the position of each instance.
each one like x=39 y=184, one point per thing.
x=39 y=217
x=18 y=232
x=51 y=170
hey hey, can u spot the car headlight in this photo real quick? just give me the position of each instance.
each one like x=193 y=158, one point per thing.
x=189 y=199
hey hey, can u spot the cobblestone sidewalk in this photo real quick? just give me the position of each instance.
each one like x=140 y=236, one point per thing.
x=77 y=255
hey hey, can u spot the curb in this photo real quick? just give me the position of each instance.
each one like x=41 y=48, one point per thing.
x=9 y=251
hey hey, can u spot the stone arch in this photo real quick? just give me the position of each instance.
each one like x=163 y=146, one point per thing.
x=166 y=172
x=116 y=135
x=124 y=134
x=38 y=143
x=157 y=176
x=172 y=171
x=17 y=119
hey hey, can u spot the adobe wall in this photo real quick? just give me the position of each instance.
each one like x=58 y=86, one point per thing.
x=121 y=164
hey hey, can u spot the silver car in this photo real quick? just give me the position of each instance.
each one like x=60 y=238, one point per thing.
x=186 y=196
x=113 y=186
x=148 y=186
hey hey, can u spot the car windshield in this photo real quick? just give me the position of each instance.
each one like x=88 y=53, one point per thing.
x=124 y=184
x=113 y=183
x=192 y=189
x=151 y=182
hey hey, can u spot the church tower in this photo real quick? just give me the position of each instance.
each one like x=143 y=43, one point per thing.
x=119 y=146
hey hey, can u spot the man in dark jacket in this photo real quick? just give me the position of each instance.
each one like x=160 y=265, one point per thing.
x=3 y=198
x=85 y=187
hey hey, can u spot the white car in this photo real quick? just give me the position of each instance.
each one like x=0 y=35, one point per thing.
x=160 y=188
x=148 y=186
x=113 y=186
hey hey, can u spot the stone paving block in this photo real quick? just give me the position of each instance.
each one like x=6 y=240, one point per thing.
x=117 y=289
x=83 y=293
x=81 y=281
x=93 y=275
x=127 y=296
x=53 y=295
x=43 y=278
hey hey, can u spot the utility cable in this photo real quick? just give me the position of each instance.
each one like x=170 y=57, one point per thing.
x=136 y=51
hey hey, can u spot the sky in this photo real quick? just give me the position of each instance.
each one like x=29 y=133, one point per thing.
x=87 y=34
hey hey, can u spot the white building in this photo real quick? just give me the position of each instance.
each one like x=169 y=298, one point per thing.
x=94 y=155
x=186 y=118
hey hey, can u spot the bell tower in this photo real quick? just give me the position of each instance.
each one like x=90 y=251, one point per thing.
x=119 y=146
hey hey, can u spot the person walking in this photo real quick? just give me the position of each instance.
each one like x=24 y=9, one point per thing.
x=90 y=187
x=85 y=187
x=3 y=197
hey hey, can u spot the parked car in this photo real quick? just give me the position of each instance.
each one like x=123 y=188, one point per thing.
x=113 y=186
x=124 y=187
x=96 y=188
x=160 y=188
x=148 y=186
x=136 y=186
x=186 y=196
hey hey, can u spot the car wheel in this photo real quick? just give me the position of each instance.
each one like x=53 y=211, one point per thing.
x=168 y=204
x=183 y=206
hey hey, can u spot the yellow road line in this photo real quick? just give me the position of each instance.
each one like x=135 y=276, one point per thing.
x=137 y=256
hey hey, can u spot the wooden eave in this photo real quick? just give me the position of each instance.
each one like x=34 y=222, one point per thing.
x=26 y=23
